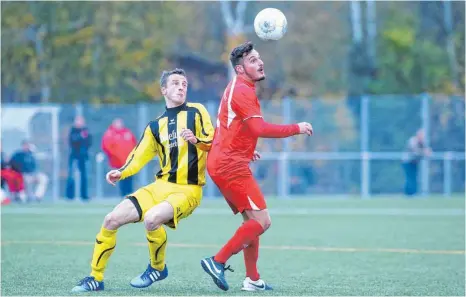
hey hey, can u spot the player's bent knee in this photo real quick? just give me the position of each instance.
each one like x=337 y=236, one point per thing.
x=265 y=220
x=266 y=223
x=158 y=215
x=151 y=221
x=112 y=222
x=261 y=216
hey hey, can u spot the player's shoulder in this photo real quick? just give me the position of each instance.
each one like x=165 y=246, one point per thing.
x=154 y=124
x=197 y=106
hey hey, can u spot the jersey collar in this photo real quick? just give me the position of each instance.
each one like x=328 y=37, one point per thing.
x=177 y=109
x=247 y=82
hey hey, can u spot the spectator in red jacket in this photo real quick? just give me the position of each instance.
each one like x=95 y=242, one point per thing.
x=117 y=143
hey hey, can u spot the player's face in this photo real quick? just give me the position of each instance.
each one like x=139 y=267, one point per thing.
x=79 y=121
x=254 y=66
x=118 y=123
x=176 y=89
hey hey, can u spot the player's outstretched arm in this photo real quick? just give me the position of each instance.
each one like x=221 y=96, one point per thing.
x=260 y=128
x=144 y=151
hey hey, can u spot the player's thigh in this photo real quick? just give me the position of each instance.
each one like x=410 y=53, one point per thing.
x=231 y=194
x=184 y=199
x=159 y=214
x=143 y=200
x=242 y=194
x=124 y=213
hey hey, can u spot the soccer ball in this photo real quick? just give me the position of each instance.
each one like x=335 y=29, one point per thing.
x=270 y=24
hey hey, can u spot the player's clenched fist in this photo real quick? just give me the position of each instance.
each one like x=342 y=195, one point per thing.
x=188 y=135
x=113 y=176
x=305 y=128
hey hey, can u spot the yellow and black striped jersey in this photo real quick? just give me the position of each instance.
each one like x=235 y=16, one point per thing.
x=181 y=162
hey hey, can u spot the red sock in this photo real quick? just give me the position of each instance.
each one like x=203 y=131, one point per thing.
x=245 y=234
x=251 y=254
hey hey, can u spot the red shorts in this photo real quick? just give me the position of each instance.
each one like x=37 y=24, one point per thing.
x=241 y=193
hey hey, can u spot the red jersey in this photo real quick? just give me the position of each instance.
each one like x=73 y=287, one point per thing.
x=238 y=128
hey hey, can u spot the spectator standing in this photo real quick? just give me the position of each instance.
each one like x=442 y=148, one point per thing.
x=117 y=144
x=415 y=151
x=80 y=141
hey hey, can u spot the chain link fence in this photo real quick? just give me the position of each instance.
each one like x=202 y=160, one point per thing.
x=357 y=146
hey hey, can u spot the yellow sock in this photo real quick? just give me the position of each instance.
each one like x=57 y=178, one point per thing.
x=103 y=248
x=157 y=240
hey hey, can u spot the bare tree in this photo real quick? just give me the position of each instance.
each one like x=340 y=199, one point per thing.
x=236 y=28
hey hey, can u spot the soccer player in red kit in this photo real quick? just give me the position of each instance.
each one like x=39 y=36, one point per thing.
x=239 y=125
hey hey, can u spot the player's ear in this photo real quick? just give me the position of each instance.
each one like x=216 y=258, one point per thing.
x=239 y=69
x=163 y=90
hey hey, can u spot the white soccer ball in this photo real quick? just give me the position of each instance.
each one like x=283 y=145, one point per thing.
x=270 y=24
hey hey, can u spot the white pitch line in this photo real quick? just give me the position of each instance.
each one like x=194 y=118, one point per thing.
x=268 y=247
x=447 y=212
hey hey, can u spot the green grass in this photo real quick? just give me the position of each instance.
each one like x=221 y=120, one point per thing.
x=341 y=247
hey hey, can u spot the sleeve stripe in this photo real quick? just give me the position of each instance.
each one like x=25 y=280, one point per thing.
x=254 y=116
x=200 y=118
x=154 y=127
x=202 y=125
x=127 y=164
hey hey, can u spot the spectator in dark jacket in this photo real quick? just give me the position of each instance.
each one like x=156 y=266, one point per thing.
x=79 y=141
x=24 y=162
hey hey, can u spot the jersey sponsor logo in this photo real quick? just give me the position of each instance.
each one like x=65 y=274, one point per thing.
x=171 y=141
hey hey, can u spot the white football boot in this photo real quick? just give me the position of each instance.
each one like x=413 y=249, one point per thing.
x=258 y=285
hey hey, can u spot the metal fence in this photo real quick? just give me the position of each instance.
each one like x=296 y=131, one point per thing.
x=356 y=149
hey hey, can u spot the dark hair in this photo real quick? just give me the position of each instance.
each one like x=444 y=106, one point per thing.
x=239 y=52
x=166 y=74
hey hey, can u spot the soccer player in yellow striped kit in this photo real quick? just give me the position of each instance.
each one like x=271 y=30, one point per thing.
x=180 y=137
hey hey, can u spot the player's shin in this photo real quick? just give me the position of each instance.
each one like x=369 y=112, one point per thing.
x=157 y=240
x=104 y=246
x=245 y=234
x=251 y=255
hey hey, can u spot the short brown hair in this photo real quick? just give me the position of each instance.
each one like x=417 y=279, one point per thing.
x=166 y=74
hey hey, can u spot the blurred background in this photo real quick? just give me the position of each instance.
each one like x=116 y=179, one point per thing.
x=381 y=82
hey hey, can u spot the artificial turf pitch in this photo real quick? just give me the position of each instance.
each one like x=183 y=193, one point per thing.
x=382 y=246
